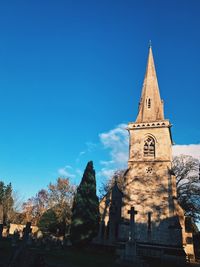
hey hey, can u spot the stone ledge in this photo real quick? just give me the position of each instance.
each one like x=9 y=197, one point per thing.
x=156 y=124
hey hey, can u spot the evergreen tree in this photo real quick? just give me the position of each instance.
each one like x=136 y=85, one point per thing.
x=85 y=211
x=48 y=222
x=6 y=200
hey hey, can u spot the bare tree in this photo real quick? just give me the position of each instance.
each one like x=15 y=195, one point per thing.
x=16 y=215
x=118 y=176
x=186 y=170
x=60 y=199
x=57 y=198
x=35 y=206
x=18 y=201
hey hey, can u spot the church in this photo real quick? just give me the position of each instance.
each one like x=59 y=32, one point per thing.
x=144 y=219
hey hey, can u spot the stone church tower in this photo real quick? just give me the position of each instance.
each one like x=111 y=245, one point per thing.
x=150 y=216
x=149 y=184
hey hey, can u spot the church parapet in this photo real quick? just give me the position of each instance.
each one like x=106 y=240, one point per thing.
x=156 y=124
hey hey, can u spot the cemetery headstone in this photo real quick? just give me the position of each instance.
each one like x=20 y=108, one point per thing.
x=26 y=232
x=132 y=213
x=130 y=247
x=15 y=238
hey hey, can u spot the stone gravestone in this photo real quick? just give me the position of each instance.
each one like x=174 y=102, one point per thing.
x=132 y=213
x=26 y=232
x=39 y=238
x=1 y=220
x=130 y=248
x=15 y=239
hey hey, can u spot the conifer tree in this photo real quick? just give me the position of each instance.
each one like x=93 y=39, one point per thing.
x=85 y=211
x=6 y=200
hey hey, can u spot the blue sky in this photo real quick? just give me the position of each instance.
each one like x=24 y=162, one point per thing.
x=71 y=74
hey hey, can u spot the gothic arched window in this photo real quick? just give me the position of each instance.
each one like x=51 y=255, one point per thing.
x=149 y=147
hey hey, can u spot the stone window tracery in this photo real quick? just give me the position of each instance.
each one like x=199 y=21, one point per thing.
x=149 y=147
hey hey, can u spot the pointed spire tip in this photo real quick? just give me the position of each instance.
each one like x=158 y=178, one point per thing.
x=151 y=108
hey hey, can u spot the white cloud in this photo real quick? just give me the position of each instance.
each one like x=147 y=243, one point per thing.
x=106 y=172
x=191 y=150
x=82 y=153
x=116 y=142
x=106 y=163
x=117 y=135
x=65 y=172
x=68 y=167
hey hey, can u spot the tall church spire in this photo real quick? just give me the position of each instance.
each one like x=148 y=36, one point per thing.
x=151 y=105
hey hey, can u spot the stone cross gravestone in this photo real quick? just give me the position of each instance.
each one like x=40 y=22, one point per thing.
x=132 y=213
x=130 y=247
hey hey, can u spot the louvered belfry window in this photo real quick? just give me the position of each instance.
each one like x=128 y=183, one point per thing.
x=149 y=147
x=149 y=103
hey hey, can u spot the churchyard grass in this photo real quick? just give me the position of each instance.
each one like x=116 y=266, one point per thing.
x=5 y=251
x=66 y=257
x=71 y=257
x=80 y=257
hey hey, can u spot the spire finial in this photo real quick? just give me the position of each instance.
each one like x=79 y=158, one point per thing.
x=150 y=43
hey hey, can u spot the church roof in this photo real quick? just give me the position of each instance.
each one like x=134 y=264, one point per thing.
x=151 y=105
